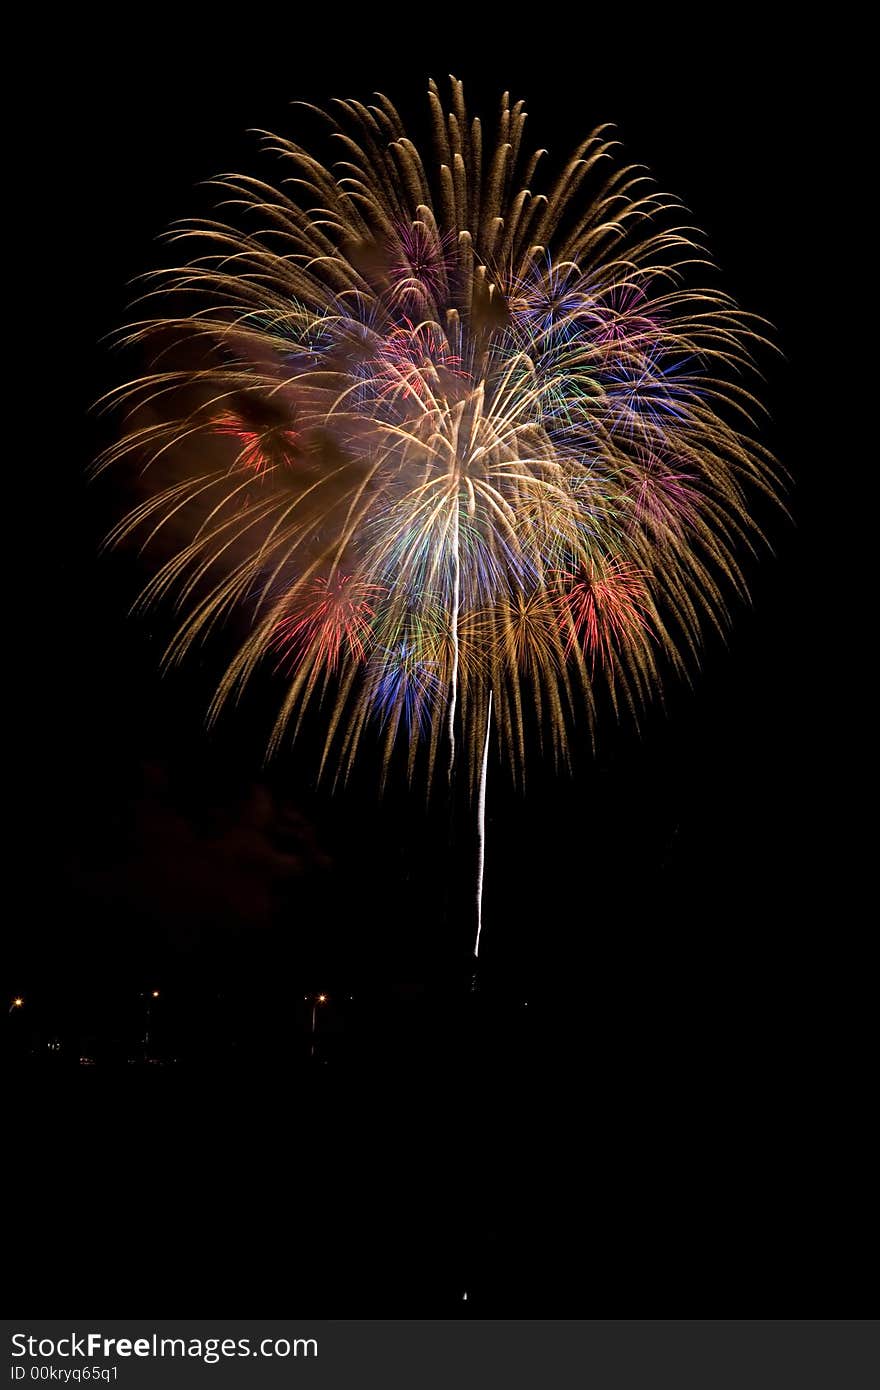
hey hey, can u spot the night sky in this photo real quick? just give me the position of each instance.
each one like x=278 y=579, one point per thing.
x=657 y=1081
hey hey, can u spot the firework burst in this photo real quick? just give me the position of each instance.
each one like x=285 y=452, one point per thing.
x=447 y=441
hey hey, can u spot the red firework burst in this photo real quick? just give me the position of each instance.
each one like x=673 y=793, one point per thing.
x=260 y=450
x=332 y=620
x=603 y=608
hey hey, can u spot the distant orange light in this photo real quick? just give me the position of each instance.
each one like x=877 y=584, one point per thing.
x=322 y=999
x=155 y=994
x=17 y=1002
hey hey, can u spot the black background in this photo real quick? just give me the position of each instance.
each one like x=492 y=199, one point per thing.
x=656 y=1091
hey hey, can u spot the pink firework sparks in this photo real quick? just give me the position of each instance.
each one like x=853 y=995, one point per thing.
x=625 y=317
x=332 y=619
x=662 y=494
x=603 y=608
x=415 y=361
x=420 y=260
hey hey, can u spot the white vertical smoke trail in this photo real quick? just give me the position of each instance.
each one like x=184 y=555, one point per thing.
x=481 y=828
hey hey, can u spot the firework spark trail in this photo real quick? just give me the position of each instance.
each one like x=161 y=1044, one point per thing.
x=456 y=601
x=430 y=438
x=481 y=828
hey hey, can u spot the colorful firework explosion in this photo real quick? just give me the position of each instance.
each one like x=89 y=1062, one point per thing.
x=493 y=449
